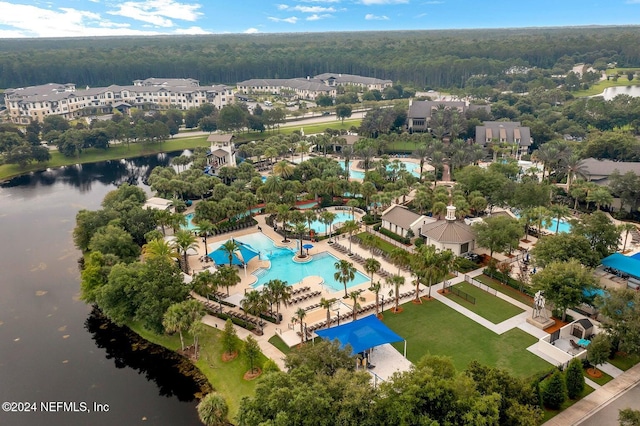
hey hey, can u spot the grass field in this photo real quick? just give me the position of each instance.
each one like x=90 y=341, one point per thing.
x=602 y=380
x=225 y=377
x=383 y=245
x=277 y=341
x=505 y=289
x=487 y=305
x=624 y=362
x=548 y=414
x=439 y=330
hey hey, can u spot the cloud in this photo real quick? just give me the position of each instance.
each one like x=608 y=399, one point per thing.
x=251 y=31
x=372 y=17
x=291 y=20
x=378 y=2
x=191 y=30
x=306 y=9
x=32 y=21
x=436 y=2
x=422 y=15
x=158 y=12
x=316 y=17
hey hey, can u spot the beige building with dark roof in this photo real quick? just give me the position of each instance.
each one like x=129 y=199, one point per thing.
x=399 y=219
x=449 y=234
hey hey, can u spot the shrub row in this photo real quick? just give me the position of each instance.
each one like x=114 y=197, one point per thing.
x=506 y=279
x=392 y=235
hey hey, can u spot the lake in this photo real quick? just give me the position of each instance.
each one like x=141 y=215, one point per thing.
x=52 y=346
x=611 y=92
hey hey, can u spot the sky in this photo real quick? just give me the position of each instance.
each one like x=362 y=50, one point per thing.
x=82 y=18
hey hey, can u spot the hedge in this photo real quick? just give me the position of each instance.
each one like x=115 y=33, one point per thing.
x=511 y=282
x=394 y=236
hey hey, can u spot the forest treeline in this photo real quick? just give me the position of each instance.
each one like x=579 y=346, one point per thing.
x=422 y=59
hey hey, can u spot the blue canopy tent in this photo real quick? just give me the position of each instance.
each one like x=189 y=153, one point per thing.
x=625 y=264
x=242 y=256
x=362 y=334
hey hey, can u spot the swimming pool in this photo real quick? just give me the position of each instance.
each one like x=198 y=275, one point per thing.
x=284 y=268
x=564 y=227
x=341 y=217
x=190 y=225
x=412 y=168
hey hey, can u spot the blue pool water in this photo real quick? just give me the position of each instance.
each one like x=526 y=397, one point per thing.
x=284 y=268
x=308 y=205
x=190 y=225
x=564 y=225
x=635 y=256
x=341 y=217
x=412 y=168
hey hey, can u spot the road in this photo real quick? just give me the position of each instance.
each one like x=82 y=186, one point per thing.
x=290 y=123
x=608 y=415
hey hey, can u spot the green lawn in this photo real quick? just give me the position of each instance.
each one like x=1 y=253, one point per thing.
x=487 y=305
x=383 y=245
x=505 y=289
x=401 y=146
x=439 y=330
x=624 y=362
x=225 y=377
x=602 y=380
x=277 y=341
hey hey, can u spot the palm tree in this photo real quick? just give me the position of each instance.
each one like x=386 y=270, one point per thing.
x=213 y=410
x=371 y=266
x=353 y=204
x=230 y=247
x=159 y=248
x=396 y=281
x=327 y=218
x=283 y=168
x=541 y=216
x=345 y=273
x=300 y=315
x=302 y=148
x=205 y=282
x=350 y=226
x=280 y=292
x=175 y=320
x=347 y=153
x=283 y=212
x=254 y=303
x=601 y=196
x=206 y=228
x=626 y=228
x=164 y=218
x=326 y=304
x=354 y=296
x=227 y=276
x=376 y=287
x=399 y=257
x=185 y=241
x=310 y=216
x=196 y=330
x=573 y=166
x=558 y=211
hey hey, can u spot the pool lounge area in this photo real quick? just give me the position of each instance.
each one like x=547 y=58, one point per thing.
x=284 y=268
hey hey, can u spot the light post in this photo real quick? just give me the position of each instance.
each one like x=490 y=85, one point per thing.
x=382 y=309
x=338 y=311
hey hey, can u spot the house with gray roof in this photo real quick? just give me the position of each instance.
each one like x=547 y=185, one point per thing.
x=504 y=132
x=598 y=171
x=399 y=220
x=420 y=112
x=449 y=234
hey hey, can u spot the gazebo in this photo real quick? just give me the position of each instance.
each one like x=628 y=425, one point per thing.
x=362 y=334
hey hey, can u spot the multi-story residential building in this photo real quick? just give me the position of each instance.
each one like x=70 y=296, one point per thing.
x=36 y=102
x=504 y=132
x=295 y=88
x=310 y=88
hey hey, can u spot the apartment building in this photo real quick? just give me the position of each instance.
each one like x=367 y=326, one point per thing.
x=37 y=102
